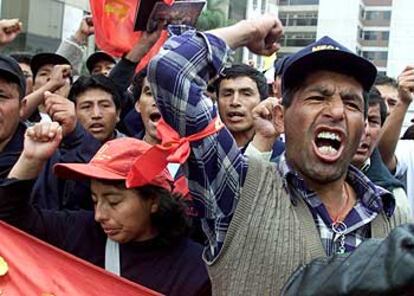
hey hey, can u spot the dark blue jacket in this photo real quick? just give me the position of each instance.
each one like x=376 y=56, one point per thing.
x=51 y=192
x=122 y=75
x=379 y=173
x=12 y=151
x=174 y=269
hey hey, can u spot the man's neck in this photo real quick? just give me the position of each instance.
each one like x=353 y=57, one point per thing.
x=243 y=138
x=151 y=140
x=334 y=195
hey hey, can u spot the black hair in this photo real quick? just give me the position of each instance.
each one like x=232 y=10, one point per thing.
x=137 y=83
x=374 y=98
x=100 y=81
x=383 y=79
x=243 y=70
x=22 y=57
x=170 y=220
x=409 y=133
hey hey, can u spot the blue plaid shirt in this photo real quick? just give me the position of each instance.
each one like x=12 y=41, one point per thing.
x=371 y=200
x=216 y=168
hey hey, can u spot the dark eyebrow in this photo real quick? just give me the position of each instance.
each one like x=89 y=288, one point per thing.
x=325 y=91
x=348 y=95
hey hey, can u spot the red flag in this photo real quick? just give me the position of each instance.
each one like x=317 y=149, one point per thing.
x=114 y=28
x=36 y=268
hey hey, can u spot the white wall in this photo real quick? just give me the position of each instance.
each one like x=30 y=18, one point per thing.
x=401 y=44
x=72 y=17
x=339 y=20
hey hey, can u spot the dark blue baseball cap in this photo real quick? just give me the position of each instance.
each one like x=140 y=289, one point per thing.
x=47 y=58
x=10 y=70
x=280 y=65
x=327 y=54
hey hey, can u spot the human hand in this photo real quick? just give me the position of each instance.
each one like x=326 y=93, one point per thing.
x=144 y=45
x=406 y=85
x=41 y=141
x=9 y=29
x=268 y=31
x=85 y=30
x=62 y=111
x=59 y=76
x=266 y=118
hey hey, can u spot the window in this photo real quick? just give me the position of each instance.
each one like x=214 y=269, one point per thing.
x=385 y=36
x=370 y=35
x=382 y=55
x=299 y=39
x=298 y=2
x=375 y=55
x=378 y=15
x=254 y=4
x=263 y=6
x=299 y=18
x=387 y=15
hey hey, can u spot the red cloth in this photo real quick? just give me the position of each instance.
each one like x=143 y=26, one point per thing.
x=36 y=268
x=172 y=149
x=114 y=28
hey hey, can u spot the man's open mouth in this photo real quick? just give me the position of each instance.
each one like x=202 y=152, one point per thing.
x=155 y=116
x=328 y=144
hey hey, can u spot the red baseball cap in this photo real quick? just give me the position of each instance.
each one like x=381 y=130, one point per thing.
x=113 y=161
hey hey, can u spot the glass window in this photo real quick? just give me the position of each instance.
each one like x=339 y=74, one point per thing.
x=299 y=39
x=385 y=36
x=382 y=55
x=263 y=6
x=254 y=4
x=298 y=2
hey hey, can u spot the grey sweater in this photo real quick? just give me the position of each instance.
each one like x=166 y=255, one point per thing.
x=271 y=235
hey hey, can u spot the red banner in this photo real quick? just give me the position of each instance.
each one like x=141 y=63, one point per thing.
x=114 y=28
x=29 y=266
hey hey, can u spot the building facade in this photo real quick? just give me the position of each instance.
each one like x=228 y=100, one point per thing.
x=379 y=30
x=45 y=22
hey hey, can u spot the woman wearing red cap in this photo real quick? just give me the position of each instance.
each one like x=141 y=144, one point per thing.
x=139 y=233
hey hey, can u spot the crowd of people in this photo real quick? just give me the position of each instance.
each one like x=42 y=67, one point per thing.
x=195 y=176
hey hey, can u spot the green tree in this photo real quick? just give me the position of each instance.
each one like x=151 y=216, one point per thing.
x=213 y=16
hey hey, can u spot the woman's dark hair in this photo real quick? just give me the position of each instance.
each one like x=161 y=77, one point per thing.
x=100 y=81
x=170 y=220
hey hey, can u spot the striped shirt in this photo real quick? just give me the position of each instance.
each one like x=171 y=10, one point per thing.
x=216 y=168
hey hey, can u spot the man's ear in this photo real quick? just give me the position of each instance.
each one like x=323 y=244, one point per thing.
x=22 y=107
x=278 y=118
x=118 y=115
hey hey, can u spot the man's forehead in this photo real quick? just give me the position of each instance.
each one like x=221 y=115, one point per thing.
x=104 y=62
x=328 y=79
x=239 y=82
x=8 y=85
x=95 y=94
x=45 y=67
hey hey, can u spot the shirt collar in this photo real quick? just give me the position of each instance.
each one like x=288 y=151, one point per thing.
x=373 y=197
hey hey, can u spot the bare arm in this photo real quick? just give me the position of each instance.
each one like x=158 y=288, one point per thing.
x=40 y=142
x=392 y=126
x=58 y=80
